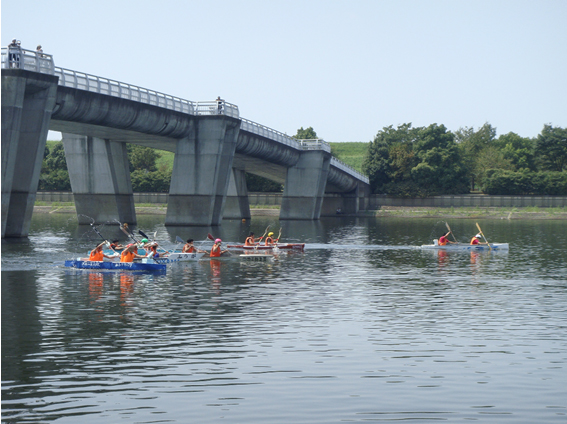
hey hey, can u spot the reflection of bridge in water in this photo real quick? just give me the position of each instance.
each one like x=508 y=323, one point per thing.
x=213 y=147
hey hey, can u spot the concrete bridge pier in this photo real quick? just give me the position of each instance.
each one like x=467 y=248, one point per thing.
x=201 y=172
x=100 y=179
x=28 y=99
x=237 y=205
x=305 y=184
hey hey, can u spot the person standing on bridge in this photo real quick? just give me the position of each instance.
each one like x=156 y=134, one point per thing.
x=14 y=53
x=220 y=105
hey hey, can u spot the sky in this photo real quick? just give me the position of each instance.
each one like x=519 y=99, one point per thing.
x=346 y=68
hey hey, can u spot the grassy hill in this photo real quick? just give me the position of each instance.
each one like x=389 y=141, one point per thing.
x=352 y=153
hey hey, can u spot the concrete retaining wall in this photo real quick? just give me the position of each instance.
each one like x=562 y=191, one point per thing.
x=374 y=202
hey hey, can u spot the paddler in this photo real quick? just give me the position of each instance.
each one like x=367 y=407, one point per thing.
x=129 y=253
x=217 y=251
x=190 y=248
x=152 y=252
x=476 y=239
x=115 y=245
x=250 y=240
x=97 y=254
x=270 y=240
x=443 y=240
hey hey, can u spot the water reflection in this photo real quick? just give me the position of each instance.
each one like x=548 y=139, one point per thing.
x=348 y=330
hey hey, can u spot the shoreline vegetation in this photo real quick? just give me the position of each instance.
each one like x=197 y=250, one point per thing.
x=384 y=212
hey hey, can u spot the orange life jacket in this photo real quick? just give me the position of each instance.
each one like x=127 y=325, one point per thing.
x=442 y=241
x=127 y=257
x=250 y=241
x=190 y=250
x=474 y=240
x=215 y=251
x=96 y=256
x=269 y=241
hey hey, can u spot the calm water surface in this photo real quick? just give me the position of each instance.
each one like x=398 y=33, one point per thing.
x=361 y=327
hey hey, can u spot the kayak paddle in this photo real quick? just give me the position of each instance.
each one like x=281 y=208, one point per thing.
x=480 y=231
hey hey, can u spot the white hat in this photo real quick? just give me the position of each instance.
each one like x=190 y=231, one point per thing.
x=478 y=235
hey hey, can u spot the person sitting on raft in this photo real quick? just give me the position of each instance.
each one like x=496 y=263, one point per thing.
x=216 y=251
x=476 y=239
x=115 y=245
x=152 y=251
x=443 y=240
x=251 y=241
x=97 y=254
x=190 y=248
x=270 y=240
x=130 y=253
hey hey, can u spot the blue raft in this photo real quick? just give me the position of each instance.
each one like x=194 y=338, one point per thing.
x=145 y=265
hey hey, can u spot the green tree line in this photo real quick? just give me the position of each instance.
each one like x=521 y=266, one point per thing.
x=405 y=161
x=425 y=161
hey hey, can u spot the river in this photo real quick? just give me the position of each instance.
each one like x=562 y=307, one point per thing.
x=362 y=326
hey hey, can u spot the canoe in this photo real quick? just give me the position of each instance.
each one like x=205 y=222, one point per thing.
x=293 y=246
x=179 y=257
x=464 y=246
x=144 y=265
x=257 y=257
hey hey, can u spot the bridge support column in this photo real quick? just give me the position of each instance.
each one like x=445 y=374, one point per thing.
x=304 y=188
x=27 y=102
x=201 y=172
x=237 y=205
x=100 y=179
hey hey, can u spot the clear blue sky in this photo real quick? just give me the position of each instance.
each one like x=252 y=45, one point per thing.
x=346 y=68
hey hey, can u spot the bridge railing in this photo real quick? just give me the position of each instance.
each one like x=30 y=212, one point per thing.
x=315 y=144
x=348 y=169
x=216 y=108
x=83 y=81
x=270 y=133
x=27 y=59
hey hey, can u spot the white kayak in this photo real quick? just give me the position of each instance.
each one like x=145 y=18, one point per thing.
x=174 y=257
x=465 y=246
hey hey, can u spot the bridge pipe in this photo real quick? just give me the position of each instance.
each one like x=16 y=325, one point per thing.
x=27 y=101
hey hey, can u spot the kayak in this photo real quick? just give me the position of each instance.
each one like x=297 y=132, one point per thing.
x=144 y=265
x=179 y=257
x=464 y=246
x=293 y=246
x=257 y=257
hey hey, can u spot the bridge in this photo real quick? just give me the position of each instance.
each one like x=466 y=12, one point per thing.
x=214 y=147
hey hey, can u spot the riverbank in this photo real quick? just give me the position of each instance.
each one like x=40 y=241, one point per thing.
x=384 y=212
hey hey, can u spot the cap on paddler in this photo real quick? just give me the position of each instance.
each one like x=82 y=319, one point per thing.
x=145 y=240
x=218 y=241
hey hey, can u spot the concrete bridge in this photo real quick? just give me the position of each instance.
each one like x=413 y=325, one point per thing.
x=213 y=147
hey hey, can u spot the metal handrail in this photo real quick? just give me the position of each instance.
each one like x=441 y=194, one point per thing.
x=349 y=170
x=16 y=57
x=41 y=62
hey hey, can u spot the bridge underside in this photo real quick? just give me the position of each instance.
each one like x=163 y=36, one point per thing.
x=212 y=155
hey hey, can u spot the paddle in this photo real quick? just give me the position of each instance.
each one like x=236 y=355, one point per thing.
x=263 y=235
x=124 y=228
x=449 y=228
x=482 y=234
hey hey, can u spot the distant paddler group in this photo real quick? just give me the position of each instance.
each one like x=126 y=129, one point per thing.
x=475 y=243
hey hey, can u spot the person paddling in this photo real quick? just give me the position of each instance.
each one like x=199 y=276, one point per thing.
x=152 y=251
x=97 y=254
x=217 y=251
x=476 y=240
x=190 y=248
x=130 y=253
x=270 y=240
x=443 y=240
x=250 y=240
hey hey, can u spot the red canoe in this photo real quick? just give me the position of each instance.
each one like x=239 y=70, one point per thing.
x=294 y=246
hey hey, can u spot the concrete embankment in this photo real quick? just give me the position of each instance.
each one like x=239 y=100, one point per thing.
x=385 y=212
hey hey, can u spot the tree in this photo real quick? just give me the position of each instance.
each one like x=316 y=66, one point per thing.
x=551 y=148
x=415 y=162
x=142 y=158
x=519 y=151
x=306 y=134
